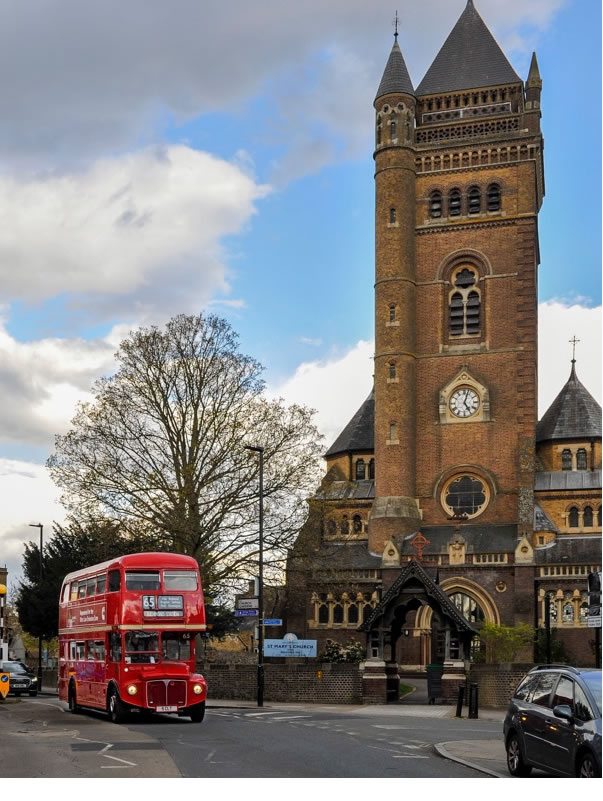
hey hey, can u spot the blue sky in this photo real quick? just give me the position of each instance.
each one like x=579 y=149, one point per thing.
x=163 y=158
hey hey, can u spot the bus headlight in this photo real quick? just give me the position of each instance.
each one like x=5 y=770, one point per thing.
x=132 y=689
x=197 y=689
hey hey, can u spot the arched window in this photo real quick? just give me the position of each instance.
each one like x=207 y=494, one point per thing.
x=464 y=309
x=392 y=370
x=352 y=613
x=392 y=215
x=598 y=516
x=323 y=613
x=454 y=203
x=379 y=131
x=345 y=526
x=357 y=524
x=566 y=459
x=338 y=613
x=393 y=432
x=475 y=200
x=468 y=607
x=435 y=205
x=360 y=470
x=372 y=475
x=392 y=126
x=392 y=312
x=573 y=517
x=567 y=614
x=588 y=517
x=494 y=197
x=581 y=459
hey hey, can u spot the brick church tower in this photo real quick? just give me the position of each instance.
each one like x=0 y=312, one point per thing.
x=459 y=183
x=445 y=504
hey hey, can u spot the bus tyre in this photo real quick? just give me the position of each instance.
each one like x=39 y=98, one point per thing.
x=72 y=700
x=116 y=709
x=197 y=713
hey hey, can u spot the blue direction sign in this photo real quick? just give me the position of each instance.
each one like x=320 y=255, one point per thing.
x=273 y=621
x=246 y=612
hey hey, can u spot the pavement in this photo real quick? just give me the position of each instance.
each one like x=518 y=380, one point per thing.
x=487 y=756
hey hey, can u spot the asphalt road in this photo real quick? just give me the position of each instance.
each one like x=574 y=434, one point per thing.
x=41 y=739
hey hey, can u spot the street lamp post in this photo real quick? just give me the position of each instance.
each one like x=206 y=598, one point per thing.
x=260 y=580
x=41 y=527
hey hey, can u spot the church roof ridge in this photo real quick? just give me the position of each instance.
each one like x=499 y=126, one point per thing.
x=573 y=414
x=469 y=59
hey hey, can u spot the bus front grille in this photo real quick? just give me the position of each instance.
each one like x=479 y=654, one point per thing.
x=166 y=692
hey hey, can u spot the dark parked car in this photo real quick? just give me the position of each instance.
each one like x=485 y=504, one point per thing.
x=22 y=679
x=554 y=722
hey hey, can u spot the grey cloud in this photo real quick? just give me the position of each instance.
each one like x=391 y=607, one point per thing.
x=84 y=78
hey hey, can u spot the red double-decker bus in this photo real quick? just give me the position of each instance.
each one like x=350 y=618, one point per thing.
x=127 y=636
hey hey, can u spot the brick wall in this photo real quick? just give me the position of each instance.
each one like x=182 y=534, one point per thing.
x=496 y=683
x=291 y=683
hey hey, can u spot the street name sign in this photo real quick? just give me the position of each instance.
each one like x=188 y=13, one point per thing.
x=273 y=621
x=246 y=612
x=248 y=603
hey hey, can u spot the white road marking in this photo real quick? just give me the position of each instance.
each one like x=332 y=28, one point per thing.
x=257 y=714
x=117 y=759
x=377 y=726
x=292 y=717
x=408 y=756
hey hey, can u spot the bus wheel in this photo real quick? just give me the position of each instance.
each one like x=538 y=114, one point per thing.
x=116 y=709
x=197 y=713
x=73 y=706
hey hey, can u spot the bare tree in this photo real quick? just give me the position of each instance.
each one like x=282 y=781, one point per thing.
x=163 y=445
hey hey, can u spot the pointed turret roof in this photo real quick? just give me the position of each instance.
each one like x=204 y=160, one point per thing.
x=359 y=434
x=395 y=76
x=534 y=78
x=574 y=414
x=469 y=58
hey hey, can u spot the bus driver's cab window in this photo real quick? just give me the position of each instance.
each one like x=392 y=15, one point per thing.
x=142 y=646
x=115 y=647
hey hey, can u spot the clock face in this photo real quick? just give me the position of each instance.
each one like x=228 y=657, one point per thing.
x=464 y=402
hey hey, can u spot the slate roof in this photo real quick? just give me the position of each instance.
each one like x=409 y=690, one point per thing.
x=359 y=434
x=347 y=490
x=479 y=539
x=345 y=555
x=395 y=76
x=542 y=522
x=469 y=58
x=574 y=414
x=568 y=480
x=571 y=551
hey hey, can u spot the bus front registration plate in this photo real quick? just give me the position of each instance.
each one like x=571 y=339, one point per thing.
x=166 y=708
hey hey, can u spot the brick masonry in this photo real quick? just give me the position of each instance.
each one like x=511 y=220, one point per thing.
x=320 y=683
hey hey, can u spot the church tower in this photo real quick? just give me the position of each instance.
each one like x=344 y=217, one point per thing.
x=459 y=182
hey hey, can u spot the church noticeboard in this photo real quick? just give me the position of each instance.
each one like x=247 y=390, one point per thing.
x=290 y=646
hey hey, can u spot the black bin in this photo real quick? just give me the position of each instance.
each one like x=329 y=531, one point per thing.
x=434 y=682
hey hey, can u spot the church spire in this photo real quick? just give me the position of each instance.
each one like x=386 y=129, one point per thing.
x=470 y=58
x=396 y=79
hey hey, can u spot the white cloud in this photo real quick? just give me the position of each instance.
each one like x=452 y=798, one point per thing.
x=128 y=235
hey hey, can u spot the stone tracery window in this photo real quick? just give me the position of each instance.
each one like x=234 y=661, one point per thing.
x=588 y=517
x=581 y=459
x=465 y=495
x=464 y=309
x=573 y=517
x=360 y=470
x=566 y=459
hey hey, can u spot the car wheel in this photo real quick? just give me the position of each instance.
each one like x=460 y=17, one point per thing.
x=515 y=761
x=17 y=695
x=72 y=700
x=116 y=709
x=586 y=767
x=197 y=713
x=33 y=694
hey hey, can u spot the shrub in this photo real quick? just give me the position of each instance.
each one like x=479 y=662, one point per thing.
x=353 y=651
x=503 y=643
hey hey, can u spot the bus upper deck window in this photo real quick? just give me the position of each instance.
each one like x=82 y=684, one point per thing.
x=148 y=580
x=114 y=581
x=179 y=580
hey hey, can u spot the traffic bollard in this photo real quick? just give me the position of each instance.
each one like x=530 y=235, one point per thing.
x=459 y=702
x=473 y=701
